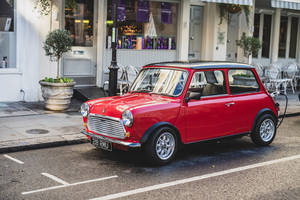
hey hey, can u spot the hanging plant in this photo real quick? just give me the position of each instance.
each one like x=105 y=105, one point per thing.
x=225 y=9
x=44 y=7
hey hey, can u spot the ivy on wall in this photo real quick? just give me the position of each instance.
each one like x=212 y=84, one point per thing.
x=225 y=9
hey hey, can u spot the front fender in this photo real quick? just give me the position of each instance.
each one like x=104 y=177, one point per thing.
x=151 y=130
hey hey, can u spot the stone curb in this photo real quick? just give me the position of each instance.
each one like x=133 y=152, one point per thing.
x=16 y=148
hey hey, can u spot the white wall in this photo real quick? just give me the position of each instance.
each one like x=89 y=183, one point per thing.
x=31 y=63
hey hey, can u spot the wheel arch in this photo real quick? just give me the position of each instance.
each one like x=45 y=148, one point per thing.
x=156 y=126
x=261 y=113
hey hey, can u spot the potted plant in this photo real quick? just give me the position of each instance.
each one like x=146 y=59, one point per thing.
x=249 y=44
x=57 y=92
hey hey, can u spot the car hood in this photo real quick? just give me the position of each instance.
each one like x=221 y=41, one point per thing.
x=116 y=105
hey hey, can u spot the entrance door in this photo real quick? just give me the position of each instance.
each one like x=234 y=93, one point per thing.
x=81 y=21
x=232 y=36
x=196 y=19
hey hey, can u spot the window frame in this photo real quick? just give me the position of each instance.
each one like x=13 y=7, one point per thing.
x=225 y=81
x=251 y=92
x=290 y=16
x=13 y=69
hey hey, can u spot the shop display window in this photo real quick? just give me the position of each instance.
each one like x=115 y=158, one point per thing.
x=79 y=21
x=143 y=24
x=7 y=34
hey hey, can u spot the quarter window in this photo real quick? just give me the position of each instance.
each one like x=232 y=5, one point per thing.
x=242 y=81
x=208 y=83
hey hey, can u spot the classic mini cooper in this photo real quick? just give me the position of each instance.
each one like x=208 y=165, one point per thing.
x=176 y=103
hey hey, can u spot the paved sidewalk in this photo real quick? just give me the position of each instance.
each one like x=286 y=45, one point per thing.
x=28 y=126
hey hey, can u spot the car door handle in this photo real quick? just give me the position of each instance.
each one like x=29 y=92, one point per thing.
x=229 y=104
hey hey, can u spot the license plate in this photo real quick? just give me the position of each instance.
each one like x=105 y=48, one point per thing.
x=102 y=144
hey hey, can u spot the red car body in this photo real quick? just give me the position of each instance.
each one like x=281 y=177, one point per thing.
x=209 y=118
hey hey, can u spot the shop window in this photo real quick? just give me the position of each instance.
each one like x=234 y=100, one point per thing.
x=294 y=33
x=143 y=24
x=7 y=34
x=282 y=36
x=256 y=28
x=266 y=36
x=79 y=21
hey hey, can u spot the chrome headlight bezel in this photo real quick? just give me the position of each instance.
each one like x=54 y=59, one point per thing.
x=127 y=118
x=85 y=109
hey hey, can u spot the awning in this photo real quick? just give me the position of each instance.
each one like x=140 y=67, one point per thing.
x=289 y=4
x=239 y=2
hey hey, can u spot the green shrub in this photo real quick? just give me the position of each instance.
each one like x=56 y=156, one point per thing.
x=250 y=45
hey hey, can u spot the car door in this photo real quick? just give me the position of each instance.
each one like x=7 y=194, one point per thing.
x=248 y=98
x=211 y=115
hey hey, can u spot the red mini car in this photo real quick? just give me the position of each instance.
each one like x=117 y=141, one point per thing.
x=175 y=103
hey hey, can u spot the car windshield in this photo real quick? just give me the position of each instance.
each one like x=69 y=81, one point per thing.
x=168 y=82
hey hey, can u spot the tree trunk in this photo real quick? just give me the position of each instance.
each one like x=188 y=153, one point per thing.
x=58 y=71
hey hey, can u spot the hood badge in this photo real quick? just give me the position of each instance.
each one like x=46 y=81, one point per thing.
x=103 y=110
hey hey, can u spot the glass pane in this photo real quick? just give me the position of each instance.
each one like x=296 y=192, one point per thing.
x=294 y=33
x=6 y=15
x=242 y=81
x=208 y=83
x=144 y=24
x=160 y=81
x=7 y=35
x=256 y=28
x=79 y=20
x=266 y=36
x=282 y=36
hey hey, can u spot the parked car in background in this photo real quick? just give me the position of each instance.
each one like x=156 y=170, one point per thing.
x=175 y=103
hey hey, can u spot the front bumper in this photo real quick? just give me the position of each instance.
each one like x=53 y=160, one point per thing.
x=128 y=144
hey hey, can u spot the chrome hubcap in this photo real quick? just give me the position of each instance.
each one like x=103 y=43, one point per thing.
x=165 y=146
x=267 y=130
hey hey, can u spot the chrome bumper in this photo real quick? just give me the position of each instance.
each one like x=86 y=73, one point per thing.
x=128 y=144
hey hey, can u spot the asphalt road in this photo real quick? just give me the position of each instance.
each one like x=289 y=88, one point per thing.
x=229 y=169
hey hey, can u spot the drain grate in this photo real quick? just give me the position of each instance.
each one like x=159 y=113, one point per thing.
x=37 y=131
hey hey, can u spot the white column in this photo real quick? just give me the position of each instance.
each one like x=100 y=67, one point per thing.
x=298 y=42
x=183 y=31
x=101 y=29
x=275 y=38
x=261 y=32
x=288 y=38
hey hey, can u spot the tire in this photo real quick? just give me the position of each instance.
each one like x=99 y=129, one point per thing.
x=265 y=130
x=156 y=148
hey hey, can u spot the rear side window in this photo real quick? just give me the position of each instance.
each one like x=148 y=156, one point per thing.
x=208 y=83
x=242 y=81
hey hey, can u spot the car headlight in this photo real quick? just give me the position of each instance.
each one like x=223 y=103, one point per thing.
x=127 y=118
x=85 y=109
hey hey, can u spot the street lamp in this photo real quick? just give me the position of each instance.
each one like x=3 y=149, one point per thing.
x=113 y=68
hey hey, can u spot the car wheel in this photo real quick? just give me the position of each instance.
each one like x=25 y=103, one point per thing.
x=265 y=130
x=162 y=146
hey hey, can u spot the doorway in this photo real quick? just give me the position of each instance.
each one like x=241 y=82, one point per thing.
x=195 y=34
x=232 y=36
x=80 y=20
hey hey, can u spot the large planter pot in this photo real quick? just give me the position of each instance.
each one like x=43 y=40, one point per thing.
x=57 y=96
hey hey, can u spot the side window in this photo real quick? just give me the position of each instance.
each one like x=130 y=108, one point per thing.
x=242 y=81
x=208 y=83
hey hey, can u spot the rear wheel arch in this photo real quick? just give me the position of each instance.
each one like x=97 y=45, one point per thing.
x=260 y=114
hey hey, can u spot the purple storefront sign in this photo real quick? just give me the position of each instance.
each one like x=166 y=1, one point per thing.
x=142 y=11
x=166 y=13
x=121 y=15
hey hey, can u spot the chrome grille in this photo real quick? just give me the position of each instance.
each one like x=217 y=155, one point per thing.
x=104 y=125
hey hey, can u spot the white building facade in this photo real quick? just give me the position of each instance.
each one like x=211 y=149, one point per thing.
x=149 y=31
